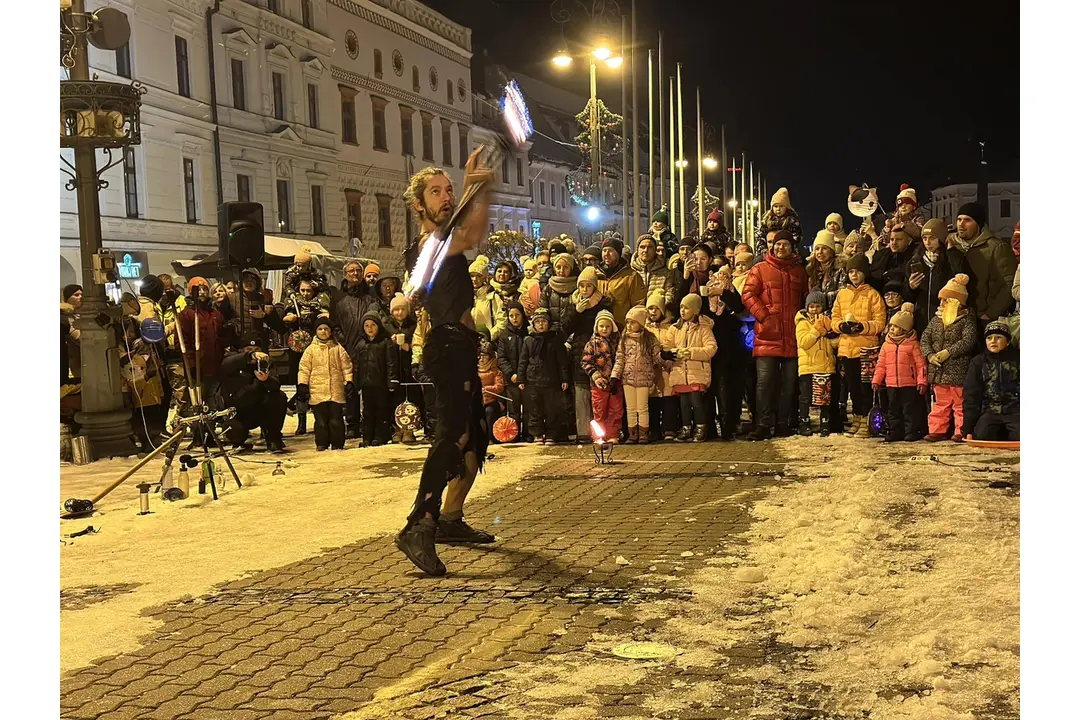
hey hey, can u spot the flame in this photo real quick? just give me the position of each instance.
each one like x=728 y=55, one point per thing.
x=597 y=431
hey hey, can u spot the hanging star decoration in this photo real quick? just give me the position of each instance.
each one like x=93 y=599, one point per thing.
x=711 y=202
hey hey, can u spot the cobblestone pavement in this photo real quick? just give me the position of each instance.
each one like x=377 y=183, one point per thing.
x=359 y=631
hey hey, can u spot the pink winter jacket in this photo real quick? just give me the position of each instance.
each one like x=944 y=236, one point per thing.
x=901 y=364
x=633 y=364
x=698 y=337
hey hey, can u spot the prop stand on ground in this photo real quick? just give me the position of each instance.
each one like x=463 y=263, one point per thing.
x=602 y=447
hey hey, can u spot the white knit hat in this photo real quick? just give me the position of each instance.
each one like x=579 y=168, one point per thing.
x=824 y=238
x=907 y=194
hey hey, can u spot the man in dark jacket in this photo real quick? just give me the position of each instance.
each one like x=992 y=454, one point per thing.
x=257 y=315
x=348 y=305
x=891 y=262
x=773 y=293
x=992 y=263
x=992 y=388
x=248 y=384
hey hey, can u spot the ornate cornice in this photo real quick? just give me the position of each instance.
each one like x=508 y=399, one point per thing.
x=420 y=15
x=413 y=100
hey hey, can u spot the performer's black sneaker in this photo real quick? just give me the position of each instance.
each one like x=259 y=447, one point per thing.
x=459 y=531
x=418 y=544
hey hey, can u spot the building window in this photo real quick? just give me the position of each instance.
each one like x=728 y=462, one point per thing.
x=239 y=91
x=532 y=197
x=378 y=63
x=415 y=79
x=1005 y=208
x=316 y=210
x=506 y=226
x=284 y=209
x=505 y=170
x=306 y=16
x=131 y=183
x=277 y=80
x=378 y=122
x=271 y=5
x=313 y=105
x=385 y=240
x=542 y=200
x=189 y=191
x=183 y=73
x=449 y=92
x=123 y=60
x=447 y=145
x=562 y=196
x=243 y=188
x=552 y=194
x=348 y=115
x=520 y=174
x=463 y=144
x=406 y=129
x=491 y=228
x=426 y=137
x=352 y=204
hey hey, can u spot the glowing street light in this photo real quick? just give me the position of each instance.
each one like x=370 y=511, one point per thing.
x=562 y=58
x=602 y=53
x=592 y=214
x=681 y=163
x=614 y=62
x=709 y=162
x=733 y=203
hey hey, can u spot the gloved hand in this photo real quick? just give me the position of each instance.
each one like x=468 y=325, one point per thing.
x=667 y=355
x=683 y=353
x=303 y=392
x=832 y=335
x=350 y=389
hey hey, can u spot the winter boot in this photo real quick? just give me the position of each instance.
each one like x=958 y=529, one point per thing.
x=699 y=433
x=669 y=436
x=856 y=425
x=418 y=544
x=684 y=434
x=301 y=424
x=643 y=435
x=783 y=431
x=759 y=433
x=396 y=437
x=804 y=427
x=632 y=435
x=864 y=427
x=936 y=437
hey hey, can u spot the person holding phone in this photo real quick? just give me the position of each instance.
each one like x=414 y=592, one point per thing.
x=249 y=384
x=932 y=266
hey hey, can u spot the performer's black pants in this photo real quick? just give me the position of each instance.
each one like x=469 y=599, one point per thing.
x=450 y=359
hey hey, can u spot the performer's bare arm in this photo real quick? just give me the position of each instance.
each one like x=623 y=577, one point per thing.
x=473 y=227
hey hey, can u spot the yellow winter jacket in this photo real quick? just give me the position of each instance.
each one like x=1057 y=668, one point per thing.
x=325 y=367
x=865 y=305
x=817 y=353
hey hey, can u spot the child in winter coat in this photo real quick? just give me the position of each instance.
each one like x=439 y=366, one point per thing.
x=663 y=405
x=637 y=364
x=992 y=388
x=948 y=342
x=544 y=374
x=508 y=352
x=859 y=315
x=375 y=368
x=817 y=357
x=901 y=368
x=491 y=379
x=598 y=362
x=691 y=344
x=894 y=300
x=588 y=303
x=402 y=326
x=324 y=379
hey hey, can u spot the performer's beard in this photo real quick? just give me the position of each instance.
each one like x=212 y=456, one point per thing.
x=439 y=217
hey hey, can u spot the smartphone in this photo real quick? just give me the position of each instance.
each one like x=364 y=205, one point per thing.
x=917 y=267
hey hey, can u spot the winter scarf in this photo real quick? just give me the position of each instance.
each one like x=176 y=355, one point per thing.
x=582 y=304
x=563 y=285
x=507 y=290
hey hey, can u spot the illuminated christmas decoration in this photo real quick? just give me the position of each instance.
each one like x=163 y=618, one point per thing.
x=711 y=202
x=508 y=245
x=578 y=182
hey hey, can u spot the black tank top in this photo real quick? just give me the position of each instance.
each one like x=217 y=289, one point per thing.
x=451 y=295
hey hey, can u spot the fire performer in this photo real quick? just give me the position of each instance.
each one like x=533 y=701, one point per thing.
x=459 y=446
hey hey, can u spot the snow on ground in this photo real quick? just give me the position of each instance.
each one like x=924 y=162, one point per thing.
x=325 y=500
x=896 y=585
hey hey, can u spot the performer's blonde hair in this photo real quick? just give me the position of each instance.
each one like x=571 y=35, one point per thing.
x=414 y=193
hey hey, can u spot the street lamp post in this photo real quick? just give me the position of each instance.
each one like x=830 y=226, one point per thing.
x=96 y=115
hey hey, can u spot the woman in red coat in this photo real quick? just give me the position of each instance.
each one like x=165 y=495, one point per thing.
x=774 y=291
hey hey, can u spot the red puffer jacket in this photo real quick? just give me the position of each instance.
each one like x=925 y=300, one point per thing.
x=773 y=293
x=901 y=364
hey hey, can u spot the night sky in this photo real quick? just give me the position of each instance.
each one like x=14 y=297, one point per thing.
x=819 y=94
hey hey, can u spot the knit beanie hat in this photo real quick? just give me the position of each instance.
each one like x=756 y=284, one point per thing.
x=893 y=286
x=320 y=321
x=860 y=263
x=604 y=315
x=714 y=216
x=69 y=290
x=745 y=257
x=973 y=210
x=836 y=218
x=566 y=258
x=638 y=314
x=399 y=300
x=556 y=247
x=937 y=228
x=479 y=266
x=692 y=301
x=593 y=251
x=687 y=242
x=656 y=299
x=588 y=275
x=997 y=328
x=904 y=318
x=824 y=238
x=784 y=235
x=661 y=216
x=151 y=287
x=907 y=195
x=301 y=257
x=956 y=289
x=613 y=242
x=781 y=197
x=540 y=313
x=646 y=238
x=528 y=264
x=373 y=268
x=816 y=297
x=197 y=280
